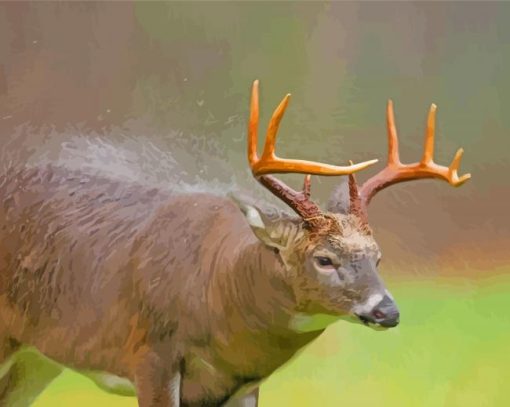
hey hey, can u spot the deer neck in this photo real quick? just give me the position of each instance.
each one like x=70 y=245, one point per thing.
x=265 y=299
x=254 y=290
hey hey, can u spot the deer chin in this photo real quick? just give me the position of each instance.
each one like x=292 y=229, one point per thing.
x=302 y=322
x=374 y=325
x=306 y=322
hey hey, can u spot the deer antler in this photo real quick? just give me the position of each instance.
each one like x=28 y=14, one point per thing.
x=396 y=172
x=269 y=163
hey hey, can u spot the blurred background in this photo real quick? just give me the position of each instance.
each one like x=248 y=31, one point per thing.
x=158 y=93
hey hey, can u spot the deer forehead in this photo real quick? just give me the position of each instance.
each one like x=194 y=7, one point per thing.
x=341 y=233
x=351 y=224
x=358 y=244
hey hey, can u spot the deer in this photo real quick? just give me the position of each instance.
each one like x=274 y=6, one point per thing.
x=187 y=299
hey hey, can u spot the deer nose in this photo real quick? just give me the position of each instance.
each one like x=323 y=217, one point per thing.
x=385 y=313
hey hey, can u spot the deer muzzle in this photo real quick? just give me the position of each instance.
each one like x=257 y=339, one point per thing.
x=384 y=313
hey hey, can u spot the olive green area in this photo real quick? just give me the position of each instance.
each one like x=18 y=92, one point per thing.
x=451 y=349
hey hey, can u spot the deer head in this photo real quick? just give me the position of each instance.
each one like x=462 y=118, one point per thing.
x=331 y=257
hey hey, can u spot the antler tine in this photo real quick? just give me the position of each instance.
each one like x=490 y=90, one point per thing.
x=396 y=172
x=355 y=202
x=307 y=185
x=393 y=154
x=430 y=134
x=253 y=125
x=272 y=129
x=454 y=167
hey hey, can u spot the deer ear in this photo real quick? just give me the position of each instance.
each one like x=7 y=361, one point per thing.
x=272 y=229
x=339 y=200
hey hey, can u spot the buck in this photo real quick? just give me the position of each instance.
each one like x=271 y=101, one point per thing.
x=188 y=299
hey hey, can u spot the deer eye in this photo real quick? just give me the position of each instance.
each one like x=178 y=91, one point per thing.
x=324 y=261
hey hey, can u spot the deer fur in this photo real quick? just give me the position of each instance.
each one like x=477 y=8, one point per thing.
x=176 y=294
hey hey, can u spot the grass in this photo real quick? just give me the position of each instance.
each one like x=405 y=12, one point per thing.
x=451 y=349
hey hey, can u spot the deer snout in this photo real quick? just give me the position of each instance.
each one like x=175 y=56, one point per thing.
x=385 y=313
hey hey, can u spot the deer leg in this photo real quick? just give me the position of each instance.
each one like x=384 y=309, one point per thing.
x=28 y=374
x=158 y=383
x=249 y=400
x=8 y=348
